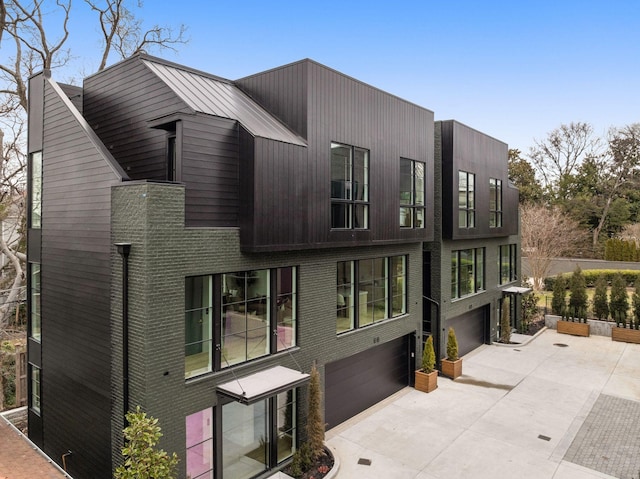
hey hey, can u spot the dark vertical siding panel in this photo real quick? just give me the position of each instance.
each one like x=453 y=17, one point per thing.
x=210 y=171
x=75 y=294
x=118 y=102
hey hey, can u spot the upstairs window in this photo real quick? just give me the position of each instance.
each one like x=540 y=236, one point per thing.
x=34 y=273
x=466 y=200
x=36 y=190
x=411 y=194
x=467 y=272
x=495 y=203
x=349 y=187
x=508 y=263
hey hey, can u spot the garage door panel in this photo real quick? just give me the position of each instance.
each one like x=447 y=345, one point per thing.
x=355 y=383
x=470 y=330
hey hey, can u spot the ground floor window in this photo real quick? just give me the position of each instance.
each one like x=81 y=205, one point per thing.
x=200 y=459
x=257 y=437
x=467 y=272
x=35 y=389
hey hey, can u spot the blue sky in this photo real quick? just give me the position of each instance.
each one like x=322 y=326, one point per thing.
x=513 y=69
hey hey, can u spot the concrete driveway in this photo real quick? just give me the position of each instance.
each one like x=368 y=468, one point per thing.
x=558 y=407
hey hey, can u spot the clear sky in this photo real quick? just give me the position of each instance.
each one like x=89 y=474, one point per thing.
x=513 y=69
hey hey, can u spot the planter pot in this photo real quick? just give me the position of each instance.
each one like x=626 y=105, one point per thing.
x=576 y=329
x=451 y=369
x=426 y=382
x=626 y=335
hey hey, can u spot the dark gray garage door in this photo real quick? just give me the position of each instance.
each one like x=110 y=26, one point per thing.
x=355 y=383
x=470 y=329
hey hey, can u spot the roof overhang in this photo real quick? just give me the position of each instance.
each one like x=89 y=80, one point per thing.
x=263 y=384
x=516 y=290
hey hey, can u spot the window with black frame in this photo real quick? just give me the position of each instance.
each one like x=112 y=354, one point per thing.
x=508 y=263
x=349 y=187
x=466 y=199
x=495 y=203
x=467 y=272
x=412 y=194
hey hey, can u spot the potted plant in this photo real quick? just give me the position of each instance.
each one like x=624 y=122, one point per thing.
x=426 y=378
x=452 y=364
x=629 y=333
x=576 y=315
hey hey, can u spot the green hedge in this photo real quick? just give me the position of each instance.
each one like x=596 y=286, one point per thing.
x=631 y=277
x=621 y=250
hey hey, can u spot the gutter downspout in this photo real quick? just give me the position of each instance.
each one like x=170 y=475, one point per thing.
x=124 y=249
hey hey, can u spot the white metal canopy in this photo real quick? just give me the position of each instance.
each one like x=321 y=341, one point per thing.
x=263 y=384
x=517 y=290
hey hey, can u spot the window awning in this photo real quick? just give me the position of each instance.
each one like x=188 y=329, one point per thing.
x=516 y=290
x=263 y=384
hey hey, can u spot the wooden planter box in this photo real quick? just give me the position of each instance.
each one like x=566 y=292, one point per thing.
x=451 y=369
x=625 y=335
x=426 y=382
x=576 y=329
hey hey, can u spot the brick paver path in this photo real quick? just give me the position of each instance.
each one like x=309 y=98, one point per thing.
x=19 y=460
x=609 y=439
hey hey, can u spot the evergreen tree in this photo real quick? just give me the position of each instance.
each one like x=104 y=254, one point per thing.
x=600 y=300
x=452 y=346
x=315 y=424
x=578 y=293
x=635 y=299
x=558 y=300
x=505 y=322
x=619 y=303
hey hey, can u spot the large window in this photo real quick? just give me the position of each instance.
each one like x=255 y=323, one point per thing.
x=508 y=263
x=411 y=194
x=198 y=325
x=466 y=199
x=467 y=272
x=36 y=190
x=349 y=187
x=34 y=273
x=35 y=389
x=495 y=203
x=254 y=313
x=379 y=284
x=258 y=437
x=200 y=453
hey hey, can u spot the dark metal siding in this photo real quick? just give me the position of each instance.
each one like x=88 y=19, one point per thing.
x=358 y=382
x=283 y=92
x=76 y=377
x=210 y=170
x=118 y=103
x=348 y=111
x=466 y=149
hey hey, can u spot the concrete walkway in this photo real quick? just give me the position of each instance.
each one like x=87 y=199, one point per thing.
x=559 y=407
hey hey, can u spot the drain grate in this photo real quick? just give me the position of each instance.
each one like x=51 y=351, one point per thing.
x=364 y=462
x=544 y=438
x=561 y=345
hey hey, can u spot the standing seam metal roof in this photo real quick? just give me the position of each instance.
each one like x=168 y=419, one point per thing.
x=221 y=98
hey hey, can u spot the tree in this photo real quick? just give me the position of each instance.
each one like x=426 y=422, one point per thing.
x=557 y=157
x=546 y=233
x=142 y=459
x=315 y=424
x=578 y=293
x=619 y=302
x=505 y=321
x=559 y=298
x=34 y=39
x=600 y=300
x=522 y=175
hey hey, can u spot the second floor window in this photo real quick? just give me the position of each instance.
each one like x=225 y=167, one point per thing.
x=34 y=273
x=349 y=187
x=508 y=263
x=467 y=272
x=411 y=194
x=495 y=203
x=466 y=199
x=36 y=190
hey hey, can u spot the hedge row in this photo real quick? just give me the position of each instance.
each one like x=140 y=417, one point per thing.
x=631 y=277
x=621 y=250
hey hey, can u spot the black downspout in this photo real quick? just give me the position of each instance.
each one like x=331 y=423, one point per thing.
x=124 y=249
x=435 y=329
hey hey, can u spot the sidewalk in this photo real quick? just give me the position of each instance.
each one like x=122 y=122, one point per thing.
x=20 y=460
x=516 y=412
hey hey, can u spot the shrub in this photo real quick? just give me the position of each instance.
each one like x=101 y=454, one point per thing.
x=529 y=311
x=635 y=304
x=600 y=300
x=631 y=277
x=505 y=322
x=315 y=425
x=558 y=301
x=618 y=303
x=452 y=346
x=428 y=356
x=142 y=459
x=578 y=295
